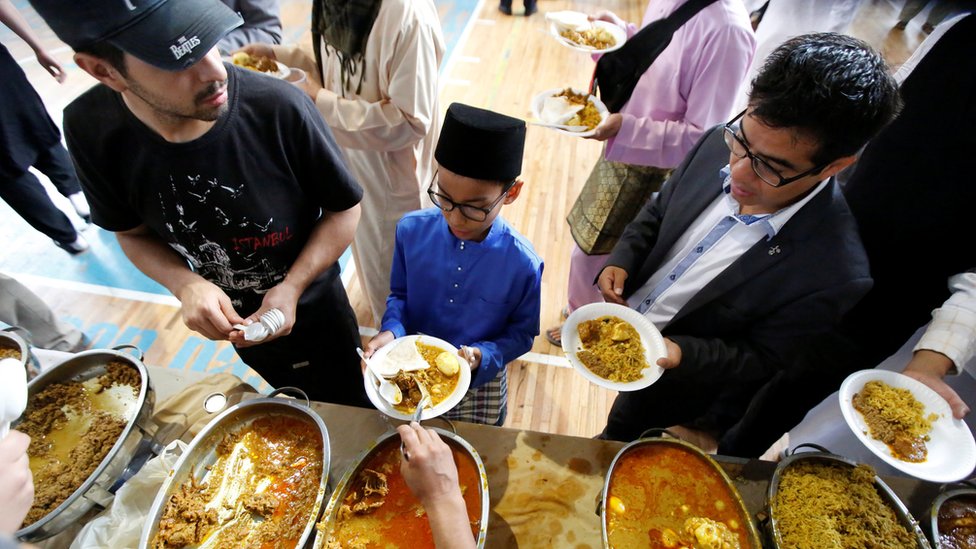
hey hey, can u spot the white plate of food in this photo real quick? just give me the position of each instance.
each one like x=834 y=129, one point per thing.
x=602 y=335
x=574 y=30
x=901 y=406
x=570 y=107
x=399 y=356
x=256 y=63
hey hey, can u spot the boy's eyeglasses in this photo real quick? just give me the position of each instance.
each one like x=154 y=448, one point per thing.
x=474 y=213
x=767 y=173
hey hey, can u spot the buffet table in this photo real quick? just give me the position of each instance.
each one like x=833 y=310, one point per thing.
x=544 y=489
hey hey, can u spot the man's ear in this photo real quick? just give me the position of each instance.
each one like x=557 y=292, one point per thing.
x=837 y=166
x=513 y=192
x=101 y=70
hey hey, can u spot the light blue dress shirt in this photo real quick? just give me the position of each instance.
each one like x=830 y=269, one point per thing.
x=481 y=294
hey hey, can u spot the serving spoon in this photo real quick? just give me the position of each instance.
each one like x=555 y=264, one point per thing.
x=13 y=393
x=419 y=411
x=388 y=390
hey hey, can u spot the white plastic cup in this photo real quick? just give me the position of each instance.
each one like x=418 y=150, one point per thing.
x=296 y=77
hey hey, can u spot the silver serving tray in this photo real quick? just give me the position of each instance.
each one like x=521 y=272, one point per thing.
x=824 y=456
x=329 y=516
x=132 y=449
x=753 y=532
x=201 y=454
x=969 y=490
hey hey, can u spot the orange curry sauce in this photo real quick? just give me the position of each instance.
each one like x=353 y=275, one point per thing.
x=660 y=486
x=400 y=522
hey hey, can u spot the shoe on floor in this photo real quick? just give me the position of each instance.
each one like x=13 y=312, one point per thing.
x=927 y=28
x=901 y=25
x=530 y=9
x=555 y=335
x=507 y=10
x=564 y=313
x=80 y=245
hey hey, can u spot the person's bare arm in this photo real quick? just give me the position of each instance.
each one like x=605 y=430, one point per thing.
x=432 y=476
x=329 y=239
x=12 y=18
x=206 y=308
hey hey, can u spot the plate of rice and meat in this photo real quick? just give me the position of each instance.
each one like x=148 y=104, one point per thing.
x=908 y=425
x=575 y=31
x=613 y=346
x=258 y=63
x=414 y=360
x=569 y=107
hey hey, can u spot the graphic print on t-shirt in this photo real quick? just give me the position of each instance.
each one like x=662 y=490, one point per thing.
x=207 y=225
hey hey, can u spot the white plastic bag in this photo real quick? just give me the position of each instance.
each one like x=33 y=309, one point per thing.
x=120 y=525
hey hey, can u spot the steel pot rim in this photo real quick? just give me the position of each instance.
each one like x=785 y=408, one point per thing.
x=753 y=532
x=225 y=420
x=822 y=454
x=31 y=532
x=328 y=515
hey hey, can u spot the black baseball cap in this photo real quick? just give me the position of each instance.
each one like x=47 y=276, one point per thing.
x=169 y=34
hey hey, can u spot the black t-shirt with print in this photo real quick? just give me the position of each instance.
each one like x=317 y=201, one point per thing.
x=239 y=202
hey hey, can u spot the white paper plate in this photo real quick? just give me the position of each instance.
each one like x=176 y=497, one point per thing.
x=619 y=35
x=951 y=450
x=282 y=72
x=464 y=381
x=539 y=100
x=650 y=337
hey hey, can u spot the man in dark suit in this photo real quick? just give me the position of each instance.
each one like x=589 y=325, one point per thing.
x=749 y=249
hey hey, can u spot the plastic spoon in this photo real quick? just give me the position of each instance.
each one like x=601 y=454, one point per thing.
x=388 y=390
x=13 y=393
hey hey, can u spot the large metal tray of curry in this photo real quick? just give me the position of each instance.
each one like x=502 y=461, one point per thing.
x=953 y=517
x=372 y=506
x=255 y=476
x=666 y=493
x=820 y=500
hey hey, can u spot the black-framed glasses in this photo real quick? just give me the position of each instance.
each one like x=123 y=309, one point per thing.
x=767 y=173
x=474 y=213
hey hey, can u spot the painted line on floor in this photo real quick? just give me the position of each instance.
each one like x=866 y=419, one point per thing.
x=108 y=291
x=458 y=47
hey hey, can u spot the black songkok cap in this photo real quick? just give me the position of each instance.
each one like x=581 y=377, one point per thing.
x=481 y=144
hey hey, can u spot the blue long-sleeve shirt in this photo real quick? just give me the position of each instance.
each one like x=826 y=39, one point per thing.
x=481 y=294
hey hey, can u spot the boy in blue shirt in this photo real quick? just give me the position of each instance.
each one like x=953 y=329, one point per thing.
x=460 y=271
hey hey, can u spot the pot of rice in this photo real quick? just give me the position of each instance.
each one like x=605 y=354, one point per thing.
x=89 y=419
x=818 y=500
x=953 y=517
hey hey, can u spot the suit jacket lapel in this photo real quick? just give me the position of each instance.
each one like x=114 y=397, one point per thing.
x=765 y=253
x=761 y=256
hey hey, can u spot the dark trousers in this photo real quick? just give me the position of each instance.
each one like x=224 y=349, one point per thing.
x=675 y=399
x=507 y=4
x=319 y=355
x=27 y=196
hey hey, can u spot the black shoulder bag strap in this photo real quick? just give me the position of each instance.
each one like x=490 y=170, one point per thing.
x=617 y=72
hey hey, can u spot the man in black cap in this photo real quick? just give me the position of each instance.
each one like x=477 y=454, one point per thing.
x=223 y=185
x=460 y=271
